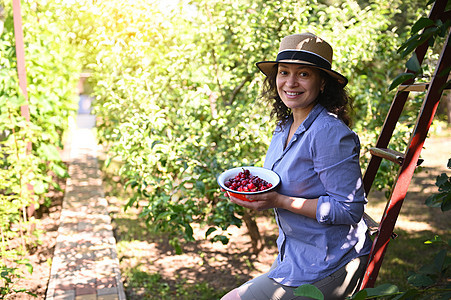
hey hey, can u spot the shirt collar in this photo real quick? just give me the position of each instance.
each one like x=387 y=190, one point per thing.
x=314 y=113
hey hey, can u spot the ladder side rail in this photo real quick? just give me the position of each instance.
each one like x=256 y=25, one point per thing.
x=407 y=169
x=398 y=105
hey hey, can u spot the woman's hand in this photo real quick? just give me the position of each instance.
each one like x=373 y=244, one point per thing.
x=259 y=201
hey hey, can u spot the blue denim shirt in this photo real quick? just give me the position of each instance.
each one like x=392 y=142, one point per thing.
x=321 y=161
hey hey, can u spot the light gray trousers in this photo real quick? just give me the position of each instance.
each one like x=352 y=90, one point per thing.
x=337 y=286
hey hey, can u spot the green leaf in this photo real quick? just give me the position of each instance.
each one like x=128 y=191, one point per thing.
x=420 y=280
x=57 y=187
x=200 y=185
x=39 y=187
x=17 y=101
x=400 y=79
x=29 y=268
x=188 y=231
x=220 y=238
x=413 y=64
x=447 y=263
x=436 y=239
x=411 y=42
x=59 y=171
x=446 y=203
x=309 y=290
x=435 y=200
x=429 y=269
x=416 y=40
x=49 y=152
x=407 y=295
x=6 y=278
x=131 y=183
x=31 y=294
x=154 y=143
x=209 y=231
x=439 y=260
x=420 y=24
x=361 y=295
x=383 y=289
x=130 y=202
x=175 y=243
x=441 y=179
x=108 y=161
x=444 y=296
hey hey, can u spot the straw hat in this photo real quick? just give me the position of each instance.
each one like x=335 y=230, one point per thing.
x=305 y=49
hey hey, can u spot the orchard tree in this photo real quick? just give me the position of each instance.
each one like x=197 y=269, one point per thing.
x=177 y=92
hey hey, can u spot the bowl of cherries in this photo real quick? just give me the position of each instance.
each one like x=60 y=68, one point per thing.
x=242 y=181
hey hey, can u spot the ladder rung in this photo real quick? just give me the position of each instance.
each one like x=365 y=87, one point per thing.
x=391 y=155
x=420 y=87
x=373 y=226
x=417 y=87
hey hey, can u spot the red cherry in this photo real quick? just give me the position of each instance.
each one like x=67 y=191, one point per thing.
x=246 y=182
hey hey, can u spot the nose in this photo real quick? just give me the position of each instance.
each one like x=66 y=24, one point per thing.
x=291 y=81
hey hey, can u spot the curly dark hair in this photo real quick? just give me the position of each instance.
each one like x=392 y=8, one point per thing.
x=334 y=98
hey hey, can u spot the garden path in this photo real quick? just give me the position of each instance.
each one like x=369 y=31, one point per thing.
x=85 y=264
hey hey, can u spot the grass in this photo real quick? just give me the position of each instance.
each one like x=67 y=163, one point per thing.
x=146 y=285
x=405 y=254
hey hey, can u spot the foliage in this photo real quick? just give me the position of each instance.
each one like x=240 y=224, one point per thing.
x=443 y=198
x=430 y=31
x=309 y=290
x=177 y=91
x=29 y=150
x=9 y=277
x=430 y=282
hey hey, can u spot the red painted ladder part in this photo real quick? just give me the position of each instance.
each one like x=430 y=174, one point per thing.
x=412 y=154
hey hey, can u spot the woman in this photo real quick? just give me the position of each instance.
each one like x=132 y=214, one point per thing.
x=319 y=205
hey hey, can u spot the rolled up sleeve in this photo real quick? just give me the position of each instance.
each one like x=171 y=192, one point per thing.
x=335 y=153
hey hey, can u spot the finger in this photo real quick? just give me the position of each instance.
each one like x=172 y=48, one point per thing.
x=237 y=201
x=250 y=198
x=243 y=203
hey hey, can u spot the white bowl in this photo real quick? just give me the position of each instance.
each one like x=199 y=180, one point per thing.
x=265 y=174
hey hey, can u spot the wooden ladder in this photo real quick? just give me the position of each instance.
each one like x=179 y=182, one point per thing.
x=408 y=161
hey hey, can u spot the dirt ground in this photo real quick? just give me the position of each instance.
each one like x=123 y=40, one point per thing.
x=227 y=266
x=41 y=254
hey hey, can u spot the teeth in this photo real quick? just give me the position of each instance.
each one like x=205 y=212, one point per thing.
x=292 y=94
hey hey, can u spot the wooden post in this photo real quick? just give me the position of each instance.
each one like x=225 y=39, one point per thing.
x=20 y=55
x=21 y=71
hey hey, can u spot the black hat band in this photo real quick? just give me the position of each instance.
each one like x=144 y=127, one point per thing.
x=305 y=56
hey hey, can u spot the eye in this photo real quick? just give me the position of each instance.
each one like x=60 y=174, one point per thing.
x=303 y=74
x=283 y=72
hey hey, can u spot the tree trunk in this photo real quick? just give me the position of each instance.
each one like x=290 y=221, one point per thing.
x=254 y=233
x=444 y=107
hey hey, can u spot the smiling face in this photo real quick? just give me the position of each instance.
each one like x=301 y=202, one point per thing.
x=298 y=86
